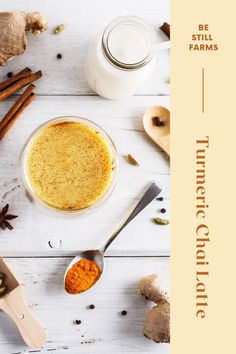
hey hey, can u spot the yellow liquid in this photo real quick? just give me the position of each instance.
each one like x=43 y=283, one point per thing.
x=69 y=165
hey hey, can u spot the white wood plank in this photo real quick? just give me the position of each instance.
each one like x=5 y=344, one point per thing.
x=33 y=230
x=84 y=20
x=103 y=330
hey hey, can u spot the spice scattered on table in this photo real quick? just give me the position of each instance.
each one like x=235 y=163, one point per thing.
x=11 y=86
x=92 y=306
x=165 y=28
x=59 y=56
x=81 y=276
x=124 y=313
x=18 y=81
x=160 y=199
x=78 y=322
x=10 y=74
x=4 y=218
x=160 y=221
x=163 y=210
x=132 y=160
x=158 y=122
x=59 y=29
x=16 y=110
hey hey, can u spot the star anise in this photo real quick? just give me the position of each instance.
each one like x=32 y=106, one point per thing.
x=4 y=217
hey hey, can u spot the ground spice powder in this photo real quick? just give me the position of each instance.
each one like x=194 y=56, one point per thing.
x=81 y=276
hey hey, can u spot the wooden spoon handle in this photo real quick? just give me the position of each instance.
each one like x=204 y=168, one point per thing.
x=31 y=330
x=165 y=144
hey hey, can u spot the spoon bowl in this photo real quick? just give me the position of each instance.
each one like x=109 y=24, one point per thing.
x=159 y=134
x=98 y=255
x=92 y=255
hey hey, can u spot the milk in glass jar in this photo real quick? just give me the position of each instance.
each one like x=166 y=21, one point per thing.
x=121 y=58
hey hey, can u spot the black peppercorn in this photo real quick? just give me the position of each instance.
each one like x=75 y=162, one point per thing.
x=160 y=199
x=124 y=313
x=10 y=74
x=78 y=322
x=92 y=307
x=59 y=56
x=163 y=210
x=158 y=122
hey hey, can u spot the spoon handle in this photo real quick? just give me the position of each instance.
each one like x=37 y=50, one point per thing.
x=150 y=194
x=31 y=330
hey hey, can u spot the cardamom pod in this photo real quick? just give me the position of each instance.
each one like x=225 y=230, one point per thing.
x=3 y=290
x=160 y=221
x=59 y=29
x=132 y=160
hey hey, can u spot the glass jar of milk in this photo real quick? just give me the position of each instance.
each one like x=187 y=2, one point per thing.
x=121 y=58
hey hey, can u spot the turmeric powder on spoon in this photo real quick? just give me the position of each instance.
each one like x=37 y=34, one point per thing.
x=81 y=276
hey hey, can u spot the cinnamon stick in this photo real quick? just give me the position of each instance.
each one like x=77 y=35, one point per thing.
x=16 y=106
x=11 y=122
x=166 y=29
x=23 y=73
x=19 y=84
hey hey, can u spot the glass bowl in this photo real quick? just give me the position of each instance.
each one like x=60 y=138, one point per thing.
x=40 y=203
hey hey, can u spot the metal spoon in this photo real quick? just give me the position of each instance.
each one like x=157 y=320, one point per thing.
x=98 y=255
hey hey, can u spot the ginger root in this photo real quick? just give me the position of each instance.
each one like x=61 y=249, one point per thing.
x=13 y=27
x=157 y=322
x=152 y=288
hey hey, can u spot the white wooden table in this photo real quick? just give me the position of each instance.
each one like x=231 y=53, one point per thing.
x=40 y=247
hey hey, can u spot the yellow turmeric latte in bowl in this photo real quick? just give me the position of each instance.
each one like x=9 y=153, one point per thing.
x=69 y=164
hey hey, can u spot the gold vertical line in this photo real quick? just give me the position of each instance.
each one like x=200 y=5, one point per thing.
x=203 y=90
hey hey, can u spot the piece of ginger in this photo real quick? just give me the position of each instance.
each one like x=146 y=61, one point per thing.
x=152 y=288
x=13 y=27
x=157 y=322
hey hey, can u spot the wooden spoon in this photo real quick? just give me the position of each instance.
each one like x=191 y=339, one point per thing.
x=13 y=303
x=159 y=134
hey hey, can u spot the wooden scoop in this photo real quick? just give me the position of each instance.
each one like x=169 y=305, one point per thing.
x=13 y=303
x=159 y=134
